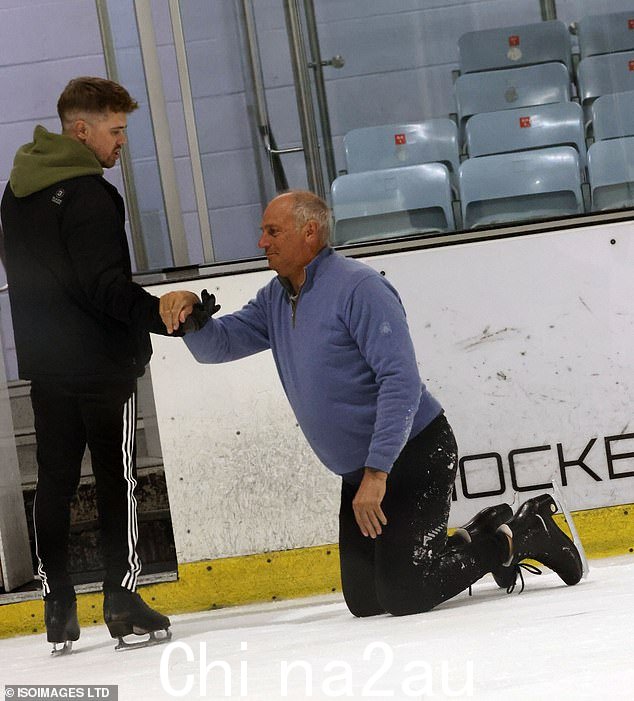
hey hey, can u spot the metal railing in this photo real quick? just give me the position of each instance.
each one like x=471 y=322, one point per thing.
x=549 y=9
x=160 y=123
x=191 y=129
x=307 y=122
x=317 y=64
x=134 y=216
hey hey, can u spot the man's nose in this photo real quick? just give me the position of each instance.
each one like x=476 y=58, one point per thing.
x=264 y=241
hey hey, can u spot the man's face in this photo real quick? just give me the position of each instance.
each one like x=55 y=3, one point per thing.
x=284 y=246
x=104 y=135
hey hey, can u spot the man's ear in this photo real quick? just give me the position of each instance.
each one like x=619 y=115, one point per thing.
x=311 y=230
x=80 y=129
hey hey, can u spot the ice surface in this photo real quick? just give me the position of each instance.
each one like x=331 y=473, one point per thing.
x=550 y=642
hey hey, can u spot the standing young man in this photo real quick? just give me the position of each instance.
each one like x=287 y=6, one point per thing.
x=341 y=344
x=82 y=338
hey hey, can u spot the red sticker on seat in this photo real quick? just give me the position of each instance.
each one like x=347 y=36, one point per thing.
x=514 y=40
x=630 y=23
x=525 y=122
x=399 y=139
x=631 y=65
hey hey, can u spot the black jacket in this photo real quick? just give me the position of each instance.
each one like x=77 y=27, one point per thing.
x=76 y=312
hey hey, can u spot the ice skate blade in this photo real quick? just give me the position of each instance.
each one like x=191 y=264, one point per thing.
x=153 y=639
x=65 y=649
x=561 y=501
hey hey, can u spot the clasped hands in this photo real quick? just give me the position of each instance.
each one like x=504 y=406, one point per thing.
x=184 y=311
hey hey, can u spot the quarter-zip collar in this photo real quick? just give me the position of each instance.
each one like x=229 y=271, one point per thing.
x=310 y=271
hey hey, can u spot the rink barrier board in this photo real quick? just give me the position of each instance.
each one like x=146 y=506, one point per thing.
x=216 y=584
x=525 y=340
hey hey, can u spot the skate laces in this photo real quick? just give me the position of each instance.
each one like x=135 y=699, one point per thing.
x=533 y=569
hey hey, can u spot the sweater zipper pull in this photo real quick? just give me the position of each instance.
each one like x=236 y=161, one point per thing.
x=294 y=299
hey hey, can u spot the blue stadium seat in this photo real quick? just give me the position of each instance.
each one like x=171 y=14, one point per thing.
x=559 y=124
x=392 y=202
x=606 y=33
x=520 y=186
x=612 y=116
x=611 y=173
x=508 y=89
x=519 y=45
x=398 y=145
x=602 y=75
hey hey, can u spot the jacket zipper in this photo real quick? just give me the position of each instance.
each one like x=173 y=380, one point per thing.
x=294 y=302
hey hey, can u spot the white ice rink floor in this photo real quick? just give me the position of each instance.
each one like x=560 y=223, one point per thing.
x=550 y=642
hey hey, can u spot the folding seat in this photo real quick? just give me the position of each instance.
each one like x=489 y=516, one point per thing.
x=613 y=116
x=606 y=33
x=611 y=173
x=508 y=89
x=603 y=75
x=392 y=202
x=559 y=124
x=519 y=45
x=520 y=186
x=398 y=145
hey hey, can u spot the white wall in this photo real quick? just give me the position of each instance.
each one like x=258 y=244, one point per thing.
x=526 y=341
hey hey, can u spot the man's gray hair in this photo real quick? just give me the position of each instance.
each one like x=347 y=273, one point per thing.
x=307 y=206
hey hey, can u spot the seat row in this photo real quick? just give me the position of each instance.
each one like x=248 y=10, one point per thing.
x=497 y=189
x=524 y=136
x=533 y=64
x=544 y=42
x=542 y=84
x=523 y=165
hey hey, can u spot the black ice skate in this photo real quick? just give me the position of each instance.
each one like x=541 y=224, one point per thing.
x=125 y=613
x=535 y=536
x=62 y=626
x=486 y=522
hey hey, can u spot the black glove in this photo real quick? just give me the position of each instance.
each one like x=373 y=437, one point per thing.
x=201 y=313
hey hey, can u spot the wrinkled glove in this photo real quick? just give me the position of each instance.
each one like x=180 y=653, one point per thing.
x=201 y=313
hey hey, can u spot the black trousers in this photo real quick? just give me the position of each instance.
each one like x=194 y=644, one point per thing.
x=409 y=568
x=68 y=416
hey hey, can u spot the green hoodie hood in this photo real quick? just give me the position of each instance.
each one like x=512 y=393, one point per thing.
x=49 y=159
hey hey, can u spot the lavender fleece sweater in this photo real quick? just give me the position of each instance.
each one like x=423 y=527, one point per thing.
x=344 y=355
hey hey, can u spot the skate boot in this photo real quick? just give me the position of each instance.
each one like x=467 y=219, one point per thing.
x=486 y=522
x=534 y=535
x=62 y=626
x=125 y=613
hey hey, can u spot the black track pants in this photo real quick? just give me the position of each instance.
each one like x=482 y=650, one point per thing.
x=408 y=568
x=69 y=416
